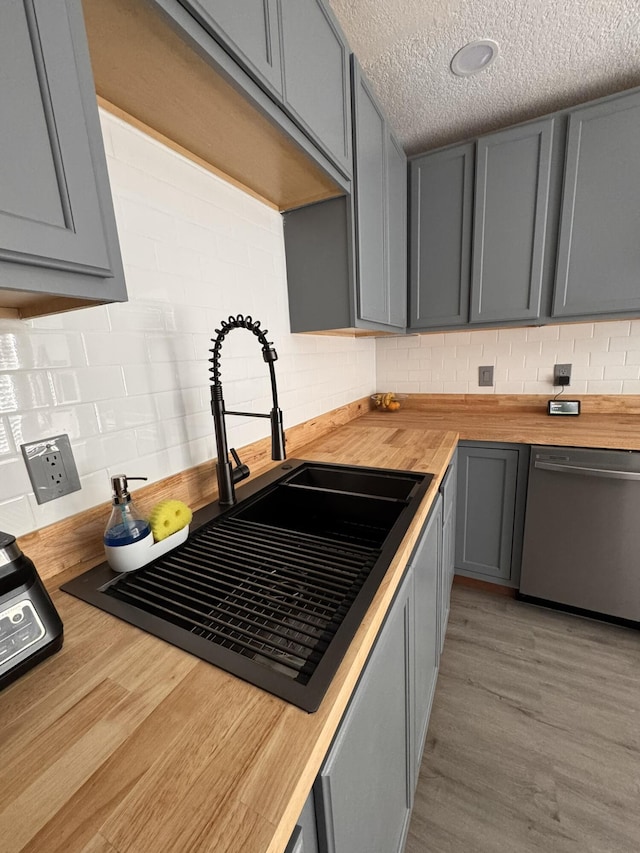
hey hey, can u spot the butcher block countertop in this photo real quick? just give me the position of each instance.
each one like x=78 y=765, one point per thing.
x=605 y=421
x=123 y=743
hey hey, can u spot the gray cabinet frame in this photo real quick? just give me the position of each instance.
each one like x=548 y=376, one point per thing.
x=440 y=232
x=490 y=510
x=598 y=269
x=57 y=234
x=251 y=34
x=509 y=236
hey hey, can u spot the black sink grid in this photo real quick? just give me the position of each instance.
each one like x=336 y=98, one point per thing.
x=274 y=589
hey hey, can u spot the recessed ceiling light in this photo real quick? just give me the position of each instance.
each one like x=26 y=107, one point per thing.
x=473 y=57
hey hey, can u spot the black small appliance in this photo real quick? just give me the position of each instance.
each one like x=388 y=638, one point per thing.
x=30 y=628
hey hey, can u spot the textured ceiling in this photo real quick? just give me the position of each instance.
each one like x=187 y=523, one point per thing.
x=552 y=55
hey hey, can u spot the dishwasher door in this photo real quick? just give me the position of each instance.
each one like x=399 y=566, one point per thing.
x=582 y=530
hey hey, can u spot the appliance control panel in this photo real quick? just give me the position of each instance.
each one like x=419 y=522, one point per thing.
x=20 y=627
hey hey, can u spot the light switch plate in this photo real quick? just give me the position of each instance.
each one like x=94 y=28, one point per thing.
x=51 y=467
x=485 y=376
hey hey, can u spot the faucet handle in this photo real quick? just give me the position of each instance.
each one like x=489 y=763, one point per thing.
x=241 y=471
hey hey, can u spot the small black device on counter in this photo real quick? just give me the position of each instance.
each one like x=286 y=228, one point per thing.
x=30 y=628
x=563 y=407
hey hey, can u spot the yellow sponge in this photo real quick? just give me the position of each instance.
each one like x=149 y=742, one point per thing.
x=168 y=517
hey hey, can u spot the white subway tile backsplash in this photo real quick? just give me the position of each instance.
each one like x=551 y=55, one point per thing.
x=543 y=333
x=629 y=344
x=575 y=331
x=523 y=359
x=613 y=329
x=16 y=516
x=598 y=358
x=604 y=387
x=630 y=371
x=14 y=477
x=104 y=348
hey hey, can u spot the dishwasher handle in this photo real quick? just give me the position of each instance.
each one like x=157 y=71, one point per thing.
x=588 y=472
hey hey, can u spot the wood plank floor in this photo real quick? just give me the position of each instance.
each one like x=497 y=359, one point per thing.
x=534 y=737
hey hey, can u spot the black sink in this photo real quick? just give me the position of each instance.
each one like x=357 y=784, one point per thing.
x=273 y=589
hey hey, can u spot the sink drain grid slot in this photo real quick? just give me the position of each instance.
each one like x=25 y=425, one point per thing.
x=275 y=596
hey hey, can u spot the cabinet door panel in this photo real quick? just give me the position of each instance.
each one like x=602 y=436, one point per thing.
x=362 y=793
x=426 y=567
x=510 y=222
x=486 y=501
x=397 y=232
x=50 y=212
x=370 y=159
x=441 y=194
x=598 y=267
x=316 y=81
x=250 y=30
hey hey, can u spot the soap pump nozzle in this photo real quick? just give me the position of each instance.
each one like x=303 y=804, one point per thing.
x=119 y=485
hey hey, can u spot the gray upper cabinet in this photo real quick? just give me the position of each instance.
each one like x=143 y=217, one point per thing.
x=346 y=257
x=250 y=30
x=316 y=81
x=362 y=793
x=396 y=161
x=598 y=268
x=57 y=227
x=381 y=199
x=441 y=199
x=510 y=222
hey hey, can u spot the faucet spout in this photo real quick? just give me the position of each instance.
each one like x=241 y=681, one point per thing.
x=227 y=475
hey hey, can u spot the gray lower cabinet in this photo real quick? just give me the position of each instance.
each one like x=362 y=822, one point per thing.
x=426 y=565
x=440 y=231
x=512 y=187
x=57 y=226
x=364 y=792
x=363 y=795
x=250 y=30
x=304 y=838
x=448 y=489
x=492 y=481
x=598 y=270
x=316 y=77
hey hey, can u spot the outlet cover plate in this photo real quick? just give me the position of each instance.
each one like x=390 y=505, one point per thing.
x=51 y=467
x=564 y=371
x=485 y=376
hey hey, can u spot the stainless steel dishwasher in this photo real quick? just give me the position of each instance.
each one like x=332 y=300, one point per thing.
x=582 y=531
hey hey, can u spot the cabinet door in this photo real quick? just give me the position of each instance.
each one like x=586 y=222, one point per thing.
x=370 y=166
x=510 y=222
x=396 y=232
x=598 y=268
x=362 y=792
x=316 y=80
x=304 y=838
x=487 y=479
x=426 y=567
x=56 y=217
x=441 y=199
x=449 y=492
x=250 y=30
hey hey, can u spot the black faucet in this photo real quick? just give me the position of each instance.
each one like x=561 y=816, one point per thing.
x=228 y=476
